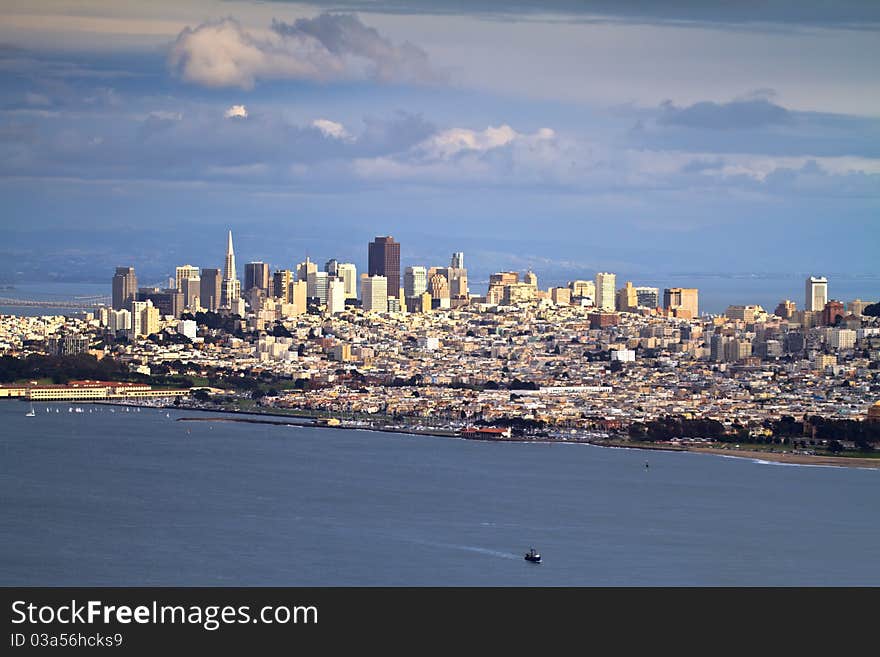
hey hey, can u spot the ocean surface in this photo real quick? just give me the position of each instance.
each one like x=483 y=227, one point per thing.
x=138 y=498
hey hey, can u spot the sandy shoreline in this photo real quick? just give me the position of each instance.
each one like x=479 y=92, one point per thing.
x=796 y=459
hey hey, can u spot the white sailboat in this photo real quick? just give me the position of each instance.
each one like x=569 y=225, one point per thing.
x=31 y=413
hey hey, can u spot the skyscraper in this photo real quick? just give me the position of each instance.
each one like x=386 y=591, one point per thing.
x=384 y=260
x=348 y=273
x=415 y=281
x=374 y=293
x=182 y=273
x=332 y=267
x=605 y=290
x=458 y=260
x=816 y=293
x=648 y=297
x=210 y=288
x=303 y=270
x=281 y=281
x=256 y=275
x=335 y=296
x=231 y=287
x=316 y=286
x=124 y=287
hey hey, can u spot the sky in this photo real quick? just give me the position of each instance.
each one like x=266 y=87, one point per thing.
x=651 y=139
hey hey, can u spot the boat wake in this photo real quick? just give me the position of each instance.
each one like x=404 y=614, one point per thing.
x=472 y=548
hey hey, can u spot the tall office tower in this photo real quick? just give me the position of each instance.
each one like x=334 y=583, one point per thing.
x=348 y=273
x=816 y=294
x=332 y=267
x=182 y=273
x=191 y=289
x=648 y=297
x=627 y=299
x=415 y=281
x=317 y=283
x=119 y=320
x=125 y=286
x=336 y=296
x=458 y=260
x=303 y=270
x=230 y=290
x=210 y=289
x=530 y=278
x=458 y=282
x=297 y=297
x=374 y=293
x=281 y=281
x=682 y=301
x=605 y=290
x=384 y=260
x=256 y=275
x=440 y=289
x=785 y=309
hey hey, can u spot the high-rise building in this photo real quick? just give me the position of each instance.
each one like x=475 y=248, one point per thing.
x=348 y=273
x=440 y=291
x=182 y=273
x=317 y=283
x=530 y=278
x=210 y=289
x=816 y=293
x=335 y=296
x=627 y=299
x=648 y=297
x=125 y=287
x=605 y=290
x=297 y=295
x=144 y=319
x=682 y=302
x=281 y=281
x=303 y=270
x=415 y=281
x=458 y=260
x=332 y=267
x=119 y=320
x=191 y=289
x=374 y=293
x=384 y=260
x=230 y=289
x=256 y=275
x=857 y=307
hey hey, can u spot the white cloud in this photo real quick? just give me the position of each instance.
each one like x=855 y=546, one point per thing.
x=331 y=129
x=236 y=112
x=449 y=143
x=330 y=47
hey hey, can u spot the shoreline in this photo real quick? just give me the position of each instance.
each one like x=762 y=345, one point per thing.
x=788 y=458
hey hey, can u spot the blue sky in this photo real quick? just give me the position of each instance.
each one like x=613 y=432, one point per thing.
x=570 y=137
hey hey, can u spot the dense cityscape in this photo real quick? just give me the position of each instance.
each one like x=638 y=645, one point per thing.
x=593 y=360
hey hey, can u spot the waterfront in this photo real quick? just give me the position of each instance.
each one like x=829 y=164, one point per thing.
x=129 y=498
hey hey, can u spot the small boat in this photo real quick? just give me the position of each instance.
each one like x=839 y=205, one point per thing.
x=533 y=556
x=31 y=413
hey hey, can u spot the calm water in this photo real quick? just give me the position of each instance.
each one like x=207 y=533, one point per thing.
x=140 y=499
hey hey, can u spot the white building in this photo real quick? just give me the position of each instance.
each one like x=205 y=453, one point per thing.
x=415 y=281
x=816 y=294
x=374 y=293
x=336 y=296
x=187 y=328
x=624 y=355
x=842 y=339
x=606 y=290
x=348 y=273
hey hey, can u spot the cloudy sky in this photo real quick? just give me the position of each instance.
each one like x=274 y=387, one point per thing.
x=567 y=136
